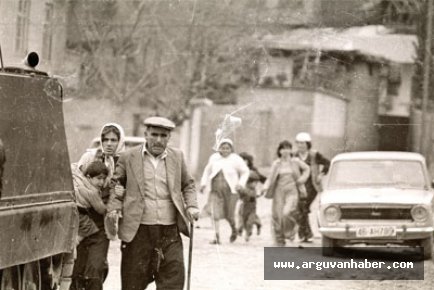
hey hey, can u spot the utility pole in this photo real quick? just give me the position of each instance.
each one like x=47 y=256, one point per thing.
x=425 y=137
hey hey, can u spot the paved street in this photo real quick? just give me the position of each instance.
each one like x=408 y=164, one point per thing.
x=239 y=266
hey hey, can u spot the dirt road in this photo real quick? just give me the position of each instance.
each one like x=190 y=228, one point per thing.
x=240 y=265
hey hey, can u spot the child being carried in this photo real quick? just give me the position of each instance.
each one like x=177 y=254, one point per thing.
x=87 y=187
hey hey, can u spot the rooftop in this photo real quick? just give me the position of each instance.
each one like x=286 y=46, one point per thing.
x=376 y=41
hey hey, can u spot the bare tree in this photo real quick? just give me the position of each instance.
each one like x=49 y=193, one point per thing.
x=165 y=53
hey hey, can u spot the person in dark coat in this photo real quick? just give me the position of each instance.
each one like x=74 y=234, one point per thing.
x=319 y=166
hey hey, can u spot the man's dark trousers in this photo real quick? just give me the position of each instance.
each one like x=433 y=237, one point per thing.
x=155 y=253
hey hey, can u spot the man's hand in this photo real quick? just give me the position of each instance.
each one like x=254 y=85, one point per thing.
x=192 y=214
x=119 y=191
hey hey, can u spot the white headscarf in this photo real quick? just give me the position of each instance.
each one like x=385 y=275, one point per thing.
x=227 y=141
x=121 y=144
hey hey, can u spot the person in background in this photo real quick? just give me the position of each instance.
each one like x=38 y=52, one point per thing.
x=160 y=202
x=248 y=197
x=224 y=175
x=284 y=185
x=319 y=166
x=248 y=158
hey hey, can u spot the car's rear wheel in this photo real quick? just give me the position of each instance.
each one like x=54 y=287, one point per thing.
x=426 y=247
x=328 y=246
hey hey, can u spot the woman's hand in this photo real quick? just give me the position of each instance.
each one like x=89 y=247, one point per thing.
x=238 y=187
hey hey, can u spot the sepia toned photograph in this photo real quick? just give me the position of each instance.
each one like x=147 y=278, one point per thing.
x=216 y=144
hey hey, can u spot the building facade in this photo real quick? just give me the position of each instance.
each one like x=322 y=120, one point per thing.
x=30 y=25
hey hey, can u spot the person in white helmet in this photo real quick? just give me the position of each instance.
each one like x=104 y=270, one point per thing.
x=319 y=166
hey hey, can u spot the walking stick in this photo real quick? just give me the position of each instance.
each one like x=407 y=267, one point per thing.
x=190 y=254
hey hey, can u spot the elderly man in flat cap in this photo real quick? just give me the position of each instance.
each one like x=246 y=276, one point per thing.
x=159 y=202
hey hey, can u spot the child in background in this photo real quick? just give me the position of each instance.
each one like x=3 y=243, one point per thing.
x=248 y=206
x=87 y=189
x=248 y=158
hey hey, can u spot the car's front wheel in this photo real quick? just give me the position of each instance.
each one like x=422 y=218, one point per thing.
x=426 y=247
x=328 y=246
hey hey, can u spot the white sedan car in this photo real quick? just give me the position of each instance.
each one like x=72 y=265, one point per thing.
x=377 y=198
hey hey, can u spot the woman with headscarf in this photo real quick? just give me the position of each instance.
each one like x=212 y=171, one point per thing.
x=90 y=268
x=284 y=185
x=224 y=175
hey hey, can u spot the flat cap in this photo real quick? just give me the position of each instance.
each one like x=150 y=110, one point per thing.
x=159 y=122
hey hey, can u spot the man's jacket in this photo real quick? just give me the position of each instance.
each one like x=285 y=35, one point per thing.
x=129 y=172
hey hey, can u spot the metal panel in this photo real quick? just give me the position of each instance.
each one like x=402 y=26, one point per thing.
x=32 y=131
x=36 y=230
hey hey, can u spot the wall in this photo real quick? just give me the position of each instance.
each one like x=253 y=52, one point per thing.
x=8 y=26
x=424 y=145
x=268 y=117
x=337 y=123
x=362 y=118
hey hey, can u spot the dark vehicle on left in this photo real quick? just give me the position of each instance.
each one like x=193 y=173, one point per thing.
x=38 y=215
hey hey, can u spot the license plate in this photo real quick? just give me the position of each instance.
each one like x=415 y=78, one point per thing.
x=367 y=232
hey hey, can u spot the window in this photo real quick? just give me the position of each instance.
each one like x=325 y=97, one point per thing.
x=377 y=173
x=22 y=31
x=48 y=32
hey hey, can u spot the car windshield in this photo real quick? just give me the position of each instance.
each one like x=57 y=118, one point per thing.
x=377 y=173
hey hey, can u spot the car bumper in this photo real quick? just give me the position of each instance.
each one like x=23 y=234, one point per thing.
x=402 y=233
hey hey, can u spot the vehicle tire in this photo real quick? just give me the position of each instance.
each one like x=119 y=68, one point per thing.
x=51 y=270
x=328 y=246
x=31 y=276
x=426 y=248
x=10 y=278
